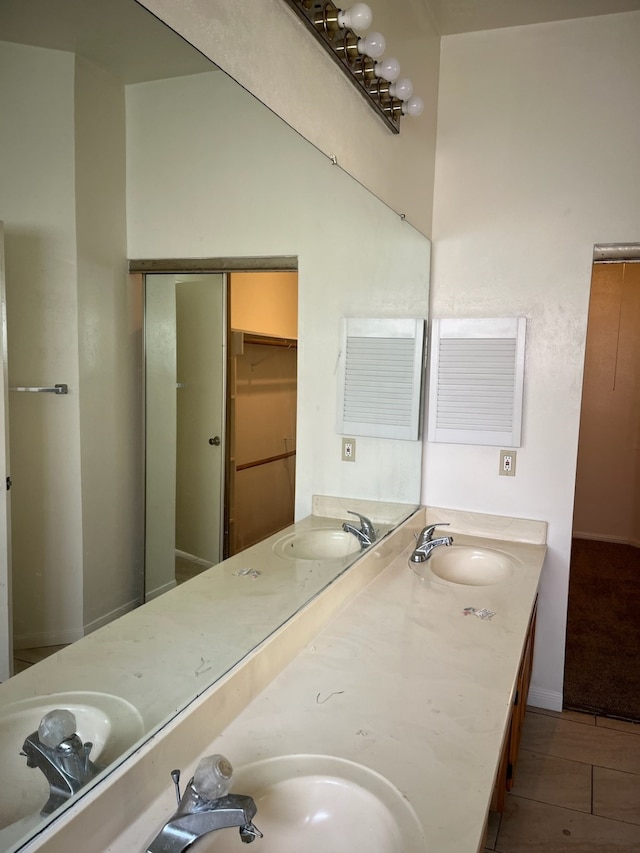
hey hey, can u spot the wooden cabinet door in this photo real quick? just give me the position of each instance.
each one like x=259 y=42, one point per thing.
x=509 y=757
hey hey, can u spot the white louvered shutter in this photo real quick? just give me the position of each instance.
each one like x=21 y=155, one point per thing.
x=476 y=381
x=380 y=378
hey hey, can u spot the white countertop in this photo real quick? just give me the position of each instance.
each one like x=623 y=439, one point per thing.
x=403 y=682
x=158 y=657
x=178 y=636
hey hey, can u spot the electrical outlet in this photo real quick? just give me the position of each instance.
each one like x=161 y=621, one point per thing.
x=348 y=450
x=507 y=463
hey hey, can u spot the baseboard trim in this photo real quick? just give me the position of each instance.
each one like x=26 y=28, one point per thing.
x=101 y=621
x=62 y=638
x=45 y=638
x=603 y=537
x=149 y=596
x=185 y=555
x=547 y=699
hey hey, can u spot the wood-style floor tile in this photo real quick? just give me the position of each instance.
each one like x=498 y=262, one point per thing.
x=575 y=716
x=552 y=780
x=616 y=795
x=618 y=725
x=617 y=750
x=531 y=827
x=36 y=654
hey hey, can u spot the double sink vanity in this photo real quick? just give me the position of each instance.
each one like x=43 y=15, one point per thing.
x=375 y=717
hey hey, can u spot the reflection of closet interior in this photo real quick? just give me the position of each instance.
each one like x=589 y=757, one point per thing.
x=261 y=407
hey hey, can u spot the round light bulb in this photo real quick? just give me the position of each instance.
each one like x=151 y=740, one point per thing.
x=387 y=69
x=373 y=45
x=413 y=107
x=358 y=18
x=402 y=90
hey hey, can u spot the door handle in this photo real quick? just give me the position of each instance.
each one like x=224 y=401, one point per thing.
x=215 y=440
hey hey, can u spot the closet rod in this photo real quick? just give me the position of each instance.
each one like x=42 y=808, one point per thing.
x=265 y=461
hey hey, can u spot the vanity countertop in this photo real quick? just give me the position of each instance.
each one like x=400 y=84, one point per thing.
x=158 y=657
x=403 y=682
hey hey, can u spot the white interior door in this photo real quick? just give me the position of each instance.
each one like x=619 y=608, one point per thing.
x=200 y=324
x=185 y=323
x=6 y=630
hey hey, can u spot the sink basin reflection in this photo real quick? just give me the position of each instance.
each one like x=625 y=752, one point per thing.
x=471 y=565
x=321 y=804
x=328 y=543
x=112 y=724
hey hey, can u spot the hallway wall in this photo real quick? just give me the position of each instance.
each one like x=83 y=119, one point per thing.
x=74 y=459
x=108 y=356
x=37 y=204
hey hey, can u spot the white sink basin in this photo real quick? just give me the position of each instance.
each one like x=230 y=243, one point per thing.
x=471 y=565
x=110 y=723
x=329 y=543
x=320 y=804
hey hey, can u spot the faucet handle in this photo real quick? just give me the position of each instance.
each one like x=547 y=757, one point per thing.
x=175 y=776
x=366 y=524
x=212 y=778
x=426 y=534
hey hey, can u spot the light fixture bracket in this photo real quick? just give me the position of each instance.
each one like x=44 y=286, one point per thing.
x=320 y=16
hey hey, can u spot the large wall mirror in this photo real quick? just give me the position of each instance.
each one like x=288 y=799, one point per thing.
x=120 y=142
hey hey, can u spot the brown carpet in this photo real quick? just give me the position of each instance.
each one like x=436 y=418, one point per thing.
x=602 y=665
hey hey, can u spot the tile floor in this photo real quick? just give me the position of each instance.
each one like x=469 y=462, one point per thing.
x=576 y=790
x=24 y=658
x=187 y=569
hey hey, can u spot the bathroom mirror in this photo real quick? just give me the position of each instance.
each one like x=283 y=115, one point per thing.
x=128 y=144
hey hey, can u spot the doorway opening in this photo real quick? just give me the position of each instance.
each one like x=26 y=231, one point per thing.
x=220 y=416
x=603 y=628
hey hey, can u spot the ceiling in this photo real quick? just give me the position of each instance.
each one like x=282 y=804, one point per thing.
x=127 y=40
x=465 y=16
x=118 y=35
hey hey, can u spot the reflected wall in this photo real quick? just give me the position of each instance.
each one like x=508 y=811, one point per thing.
x=211 y=173
x=265 y=47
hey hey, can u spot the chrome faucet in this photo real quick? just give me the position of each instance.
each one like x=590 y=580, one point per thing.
x=365 y=534
x=425 y=543
x=58 y=751
x=198 y=815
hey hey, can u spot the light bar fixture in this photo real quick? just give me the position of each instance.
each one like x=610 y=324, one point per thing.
x=341 y=33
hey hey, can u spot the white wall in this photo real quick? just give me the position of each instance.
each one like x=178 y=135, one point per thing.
x=269 y=51
x=37 y=203
x=160 y=435
x=537 y=159
x=108 y=355
x=75 y=459
x=225 y=178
